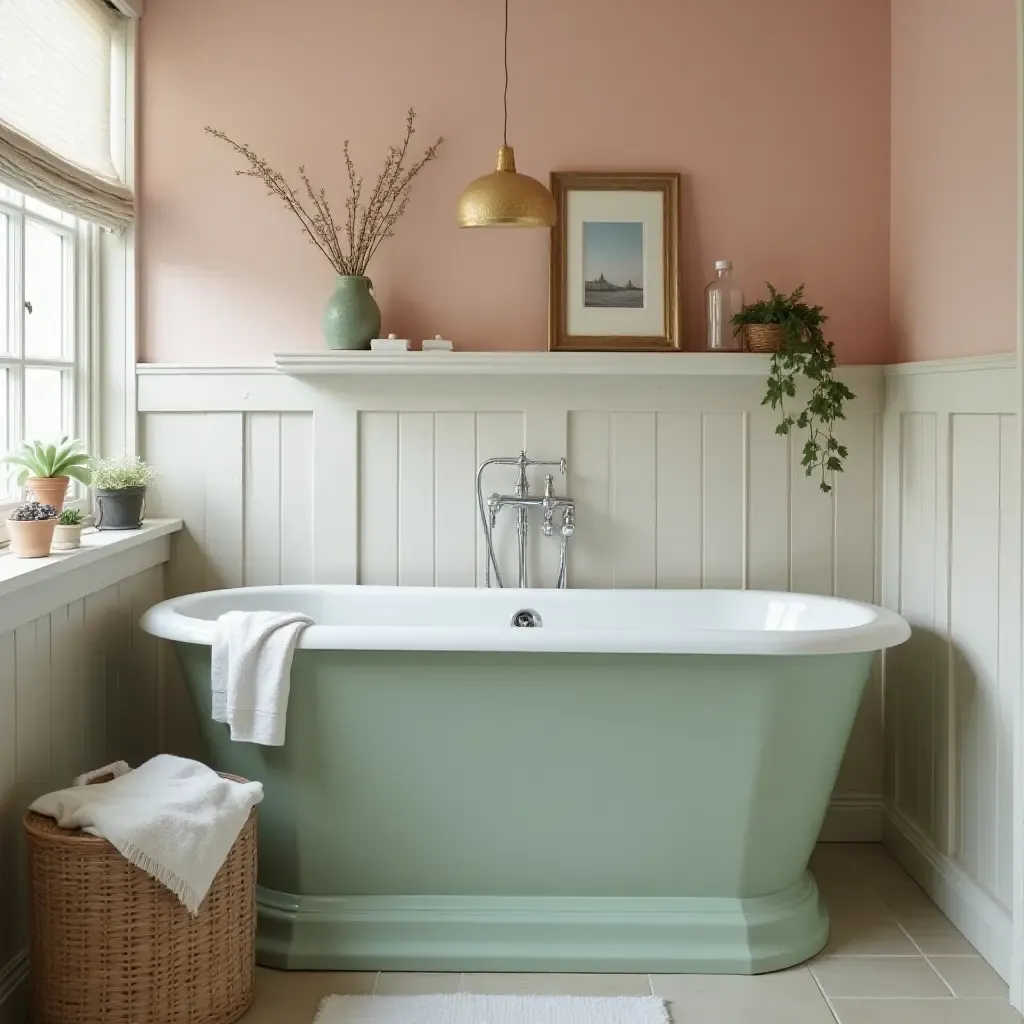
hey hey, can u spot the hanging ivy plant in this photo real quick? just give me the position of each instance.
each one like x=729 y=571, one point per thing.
x=804 y=352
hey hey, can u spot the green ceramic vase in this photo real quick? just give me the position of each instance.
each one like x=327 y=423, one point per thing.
x=352 y=317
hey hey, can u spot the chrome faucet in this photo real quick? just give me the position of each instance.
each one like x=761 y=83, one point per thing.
x=522 y=501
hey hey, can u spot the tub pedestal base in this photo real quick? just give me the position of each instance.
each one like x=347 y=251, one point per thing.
x=566 y=934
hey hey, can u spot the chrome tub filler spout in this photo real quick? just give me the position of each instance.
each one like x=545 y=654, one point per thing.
x=549 y=503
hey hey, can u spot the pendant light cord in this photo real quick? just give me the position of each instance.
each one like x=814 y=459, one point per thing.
x=504 y=130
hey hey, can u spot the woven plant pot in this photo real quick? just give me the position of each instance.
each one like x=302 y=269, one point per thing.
x=110 y=945
x=765 y=337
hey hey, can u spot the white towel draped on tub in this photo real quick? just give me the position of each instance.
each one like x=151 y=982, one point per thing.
x=251 y=669
x=175 y=819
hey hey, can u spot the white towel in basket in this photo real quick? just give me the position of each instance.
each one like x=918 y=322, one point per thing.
x=175 y=819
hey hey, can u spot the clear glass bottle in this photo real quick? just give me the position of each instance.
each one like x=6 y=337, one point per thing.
x=723 y=299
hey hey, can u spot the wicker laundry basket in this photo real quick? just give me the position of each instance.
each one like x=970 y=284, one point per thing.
x=110 y=945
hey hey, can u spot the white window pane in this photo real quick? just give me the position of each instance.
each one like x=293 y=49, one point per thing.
x=7 y=484
x=6 y=341
x=8 y=195
x=5 y=440
x=50 y=212
x=44 y=404
x=44 y=291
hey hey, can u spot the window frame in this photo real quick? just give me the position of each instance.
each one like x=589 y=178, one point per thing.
x=77 y=359
x=105 y=312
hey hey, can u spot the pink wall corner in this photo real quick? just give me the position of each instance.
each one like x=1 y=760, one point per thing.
x=954 y=178
x=777 y=115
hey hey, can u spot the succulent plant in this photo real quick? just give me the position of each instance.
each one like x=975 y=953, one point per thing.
x=70 y=517
x=121 y=472
x=36 y=459
x=33 y=511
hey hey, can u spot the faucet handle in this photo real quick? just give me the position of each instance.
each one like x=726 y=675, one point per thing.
x=569 y=521
x=548 y=528
x=561 y=464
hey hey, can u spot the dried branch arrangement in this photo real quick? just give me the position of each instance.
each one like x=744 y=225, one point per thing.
x=366 y=225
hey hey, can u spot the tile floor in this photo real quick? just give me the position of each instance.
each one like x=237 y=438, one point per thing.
x=892 y=959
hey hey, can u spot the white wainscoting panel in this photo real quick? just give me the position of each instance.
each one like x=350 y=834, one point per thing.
x=244 y=482
x=679 y=481
x=952 y=568
x=79 y=687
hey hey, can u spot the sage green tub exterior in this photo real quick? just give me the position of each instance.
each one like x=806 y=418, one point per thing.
x=537 y=810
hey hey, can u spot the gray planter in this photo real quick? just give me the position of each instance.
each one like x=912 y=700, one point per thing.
x=119 y=510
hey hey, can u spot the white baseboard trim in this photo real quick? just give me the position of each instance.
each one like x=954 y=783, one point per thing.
x=1016 y=982
x=14 y=990
x=853 y=818
x=982 y=919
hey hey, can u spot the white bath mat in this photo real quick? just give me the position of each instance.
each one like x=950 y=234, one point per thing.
x=471 y=1009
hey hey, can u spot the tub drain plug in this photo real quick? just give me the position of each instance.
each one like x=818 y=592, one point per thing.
x=526 y=618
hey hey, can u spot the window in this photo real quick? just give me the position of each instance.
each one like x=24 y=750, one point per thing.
x=47 y=260
x=67 y=302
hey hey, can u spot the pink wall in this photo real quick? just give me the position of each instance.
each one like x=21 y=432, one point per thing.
x=776 y=113
x=954 y=177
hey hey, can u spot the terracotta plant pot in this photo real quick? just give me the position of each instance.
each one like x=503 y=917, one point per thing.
x=31 y=539
x=67 y=538
x=49 y=490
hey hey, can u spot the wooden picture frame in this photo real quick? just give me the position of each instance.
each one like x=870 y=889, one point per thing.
x=614 y=227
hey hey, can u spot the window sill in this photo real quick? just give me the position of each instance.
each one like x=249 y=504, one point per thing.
x=32 y=587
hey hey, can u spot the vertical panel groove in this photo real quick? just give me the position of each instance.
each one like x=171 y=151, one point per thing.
x=745 y=557
x=789 y=509
x=703 y=497
x=658 y=424
x=478 y=554
x=281 y=497
x=434 y=503
x=399 y=510
x=834 y=497
x=995 y=732
x=609 y=475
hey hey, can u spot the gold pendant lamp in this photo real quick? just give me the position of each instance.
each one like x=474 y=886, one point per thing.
x=505 y=198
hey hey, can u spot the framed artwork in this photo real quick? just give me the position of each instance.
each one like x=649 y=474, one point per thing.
x=614 y=263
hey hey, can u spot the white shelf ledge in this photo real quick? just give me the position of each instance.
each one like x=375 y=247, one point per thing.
x=480 y=364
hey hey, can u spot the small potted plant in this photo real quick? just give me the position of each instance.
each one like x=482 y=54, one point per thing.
x=68 y=533
x=46 y=470
x=30 y=528
x=119 y=492
x=791 y=330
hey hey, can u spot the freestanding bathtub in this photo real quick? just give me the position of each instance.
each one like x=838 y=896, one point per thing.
x=634 y=784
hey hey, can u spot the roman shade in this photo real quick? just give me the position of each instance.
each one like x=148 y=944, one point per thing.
x=59 y=66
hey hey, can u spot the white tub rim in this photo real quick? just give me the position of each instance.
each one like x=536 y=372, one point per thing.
x=879 y=629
